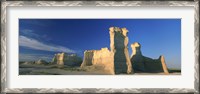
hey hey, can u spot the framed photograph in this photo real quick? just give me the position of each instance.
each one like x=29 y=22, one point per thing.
x=100 y=47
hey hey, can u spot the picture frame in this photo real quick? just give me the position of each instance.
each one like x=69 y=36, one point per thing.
x=4 y=42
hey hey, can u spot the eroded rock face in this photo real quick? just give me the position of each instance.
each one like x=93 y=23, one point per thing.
x=164 y=66
x=66 y=59
x=117 y=61
x=118 y=46
x=58 y=59
x=141 y=63
x=114 y=61
x=102 y=58
x=88 y=57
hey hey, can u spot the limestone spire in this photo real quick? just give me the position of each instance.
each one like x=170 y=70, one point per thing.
x=136 y=49
x=119 y=46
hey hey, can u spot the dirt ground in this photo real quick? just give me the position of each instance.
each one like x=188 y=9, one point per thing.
x=56 y=70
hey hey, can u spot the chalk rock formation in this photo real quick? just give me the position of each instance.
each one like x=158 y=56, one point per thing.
x=27 y=63
x=41 y=62
x=102 y=58
x=118 y=46
x=141 y=63
x=66 y=59
x=116 y=60
x=58 y=59
x=88 y=57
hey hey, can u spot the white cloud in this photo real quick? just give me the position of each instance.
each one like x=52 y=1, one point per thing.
x=35 y=44
x=29 y=32
x=35 y=57
x=32 y=34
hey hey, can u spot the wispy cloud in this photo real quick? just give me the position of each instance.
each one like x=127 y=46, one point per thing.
x=28 y=32
x=35 y=57
x=32 y=34
x=37 y=45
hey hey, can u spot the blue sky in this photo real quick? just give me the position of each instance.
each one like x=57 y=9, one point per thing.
x=42 y=38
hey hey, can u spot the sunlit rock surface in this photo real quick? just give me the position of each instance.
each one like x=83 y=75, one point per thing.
x=58 y=59
x=117 y=60
x=66 y=59
x=88 y=57
x=141 y=63
x=114 y=61
x=102 y=59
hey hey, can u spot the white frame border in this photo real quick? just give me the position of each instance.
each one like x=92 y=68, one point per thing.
x=97 y=3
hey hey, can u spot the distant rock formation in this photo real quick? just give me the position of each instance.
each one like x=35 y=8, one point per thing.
x=99 y=58
x=27 y=63
x=67 y=59
x=116 y=60
x=58 y=59
x=88 y=58
x=141 y=63
x=41 y=62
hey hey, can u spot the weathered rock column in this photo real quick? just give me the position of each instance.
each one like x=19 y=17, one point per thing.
x=118 y=46
x=137 y=60
x=164 y=66
x=136 y=49
x=128 y=61
x=60 y=58
x=88 y=57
